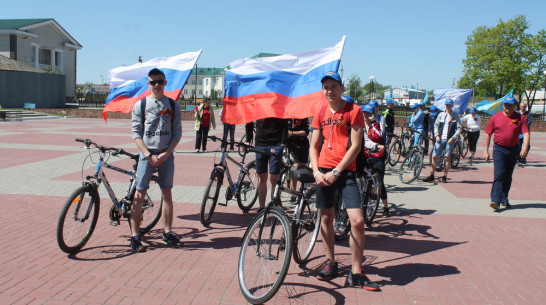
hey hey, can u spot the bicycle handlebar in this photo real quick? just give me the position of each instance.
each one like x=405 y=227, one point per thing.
x=114 y=150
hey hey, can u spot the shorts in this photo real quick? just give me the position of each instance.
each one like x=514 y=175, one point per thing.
x=345 y=185
x=440 y=146
x=262 y=161
x=145 y=172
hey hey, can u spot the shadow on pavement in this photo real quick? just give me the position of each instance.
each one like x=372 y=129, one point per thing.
x=401 y=275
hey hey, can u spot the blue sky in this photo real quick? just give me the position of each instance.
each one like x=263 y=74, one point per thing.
x=401 y=43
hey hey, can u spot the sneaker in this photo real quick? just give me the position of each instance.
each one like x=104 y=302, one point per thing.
x=204 y=150
x=386 y=212
x=197 y=150
x=429 y=179
x=232 y=150
x=136 y=245
x=495 y=206
x=443 y=179
x=171 y=240
x=507 y=205
x=362 y=281
x=329 y=271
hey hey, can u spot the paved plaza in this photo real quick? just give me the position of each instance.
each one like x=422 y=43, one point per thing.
x=443 y=244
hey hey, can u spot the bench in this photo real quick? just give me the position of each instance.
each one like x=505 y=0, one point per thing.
x=29 y=106
x=6 y=115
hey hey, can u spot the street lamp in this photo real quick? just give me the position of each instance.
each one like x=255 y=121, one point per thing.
x=372 y=89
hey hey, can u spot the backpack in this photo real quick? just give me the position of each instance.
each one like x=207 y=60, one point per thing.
x=374 y=134
x=360 y=158
x=143 y=110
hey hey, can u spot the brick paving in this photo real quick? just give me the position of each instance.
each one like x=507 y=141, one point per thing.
x=442 y=244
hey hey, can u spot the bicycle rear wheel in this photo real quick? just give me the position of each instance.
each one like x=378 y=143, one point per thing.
x=78 y=219
x=395 y=151
x=247 y=191
x=342 y=225
x=455 y=156
x=151 y=206
x=210 y=198
x=411 y=167
x=464 y=146
x=305 y=227
x=373 y=196
x=265 y=256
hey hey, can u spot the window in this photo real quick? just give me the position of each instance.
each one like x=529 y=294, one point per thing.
x=185 y=91
x=45 y=57
x=206 y=82
x=200 y=91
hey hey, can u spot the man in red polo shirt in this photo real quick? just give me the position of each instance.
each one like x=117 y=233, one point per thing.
x=507 y=126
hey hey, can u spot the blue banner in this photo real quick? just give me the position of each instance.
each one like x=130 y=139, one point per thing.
x=492 y=107
x=460 y=98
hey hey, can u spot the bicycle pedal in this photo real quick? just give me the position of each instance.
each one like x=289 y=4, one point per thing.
x=222 y=204
x=114 y=223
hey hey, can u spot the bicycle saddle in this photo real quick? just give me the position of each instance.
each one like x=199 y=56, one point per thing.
x=305 y=175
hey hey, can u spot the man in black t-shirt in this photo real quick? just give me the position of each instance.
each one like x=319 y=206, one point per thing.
x=298 y=146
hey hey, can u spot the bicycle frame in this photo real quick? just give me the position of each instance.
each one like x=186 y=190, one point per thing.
x=222 y=165
x=100 y=177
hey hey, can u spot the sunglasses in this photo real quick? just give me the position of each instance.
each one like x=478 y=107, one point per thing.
x=159 y=82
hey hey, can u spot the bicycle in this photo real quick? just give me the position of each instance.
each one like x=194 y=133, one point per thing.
x=272 y=239
x=245 y=188
x=464 y=142
x=369 y=184
x=400 y=147
x=455 y=157
x=80 y=213
x=413 y=162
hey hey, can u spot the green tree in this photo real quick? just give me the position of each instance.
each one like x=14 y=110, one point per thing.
x=496 y=58
x=536 y=56
x=354 y=87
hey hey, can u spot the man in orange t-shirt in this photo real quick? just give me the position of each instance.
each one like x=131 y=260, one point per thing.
x=334 y=168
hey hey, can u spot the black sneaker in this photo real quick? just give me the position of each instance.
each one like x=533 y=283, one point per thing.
x=136 y=245
x=171 y=240
x=362 y=281
x=329 y=271
x=429 y=179
x=507 y=205
x=293 y=199
x=386 y=212
x=443 y=179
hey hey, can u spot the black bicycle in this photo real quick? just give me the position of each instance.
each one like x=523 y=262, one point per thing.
x=272 y=237
x=245 y=188
x=369 y=184
x=81 y=211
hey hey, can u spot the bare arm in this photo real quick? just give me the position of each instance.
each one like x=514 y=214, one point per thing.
x=486 y=142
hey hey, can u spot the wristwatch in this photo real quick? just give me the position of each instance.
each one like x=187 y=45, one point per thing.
x=148 y=156
x=335 y=172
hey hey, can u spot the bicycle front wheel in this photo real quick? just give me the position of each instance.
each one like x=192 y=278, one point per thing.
x=151 y=206
x=373 y=196
x=265 y=256
x=395 y=151
x=210 y=198
x=247 y=191
x=78 y=219
x=305 y=227
x=411 y=167
x=342 y=225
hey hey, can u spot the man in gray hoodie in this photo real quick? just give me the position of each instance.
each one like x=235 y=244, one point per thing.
x=156 y=133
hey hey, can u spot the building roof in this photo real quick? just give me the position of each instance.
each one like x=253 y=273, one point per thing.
x=8 y=64
x=208 y=71
x=13 y=24
x=265 y=55
x=22 y=27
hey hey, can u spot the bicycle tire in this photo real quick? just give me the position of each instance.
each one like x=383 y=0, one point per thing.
x=411 y=167
x=247 y=189
x=455 y=156
x=86 y=203
x=464 y=146
x=342 y=225
x=209 y=201
x=258 y=279
x=151 y=206
x=372 y=198
x=240 y=149
x=305 y=227
x=395 y=152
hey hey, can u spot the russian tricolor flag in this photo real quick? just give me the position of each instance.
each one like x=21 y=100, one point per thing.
x=285 y=86
x=130 y=84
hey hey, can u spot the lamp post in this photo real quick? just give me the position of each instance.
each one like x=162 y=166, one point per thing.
x=372 y=89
